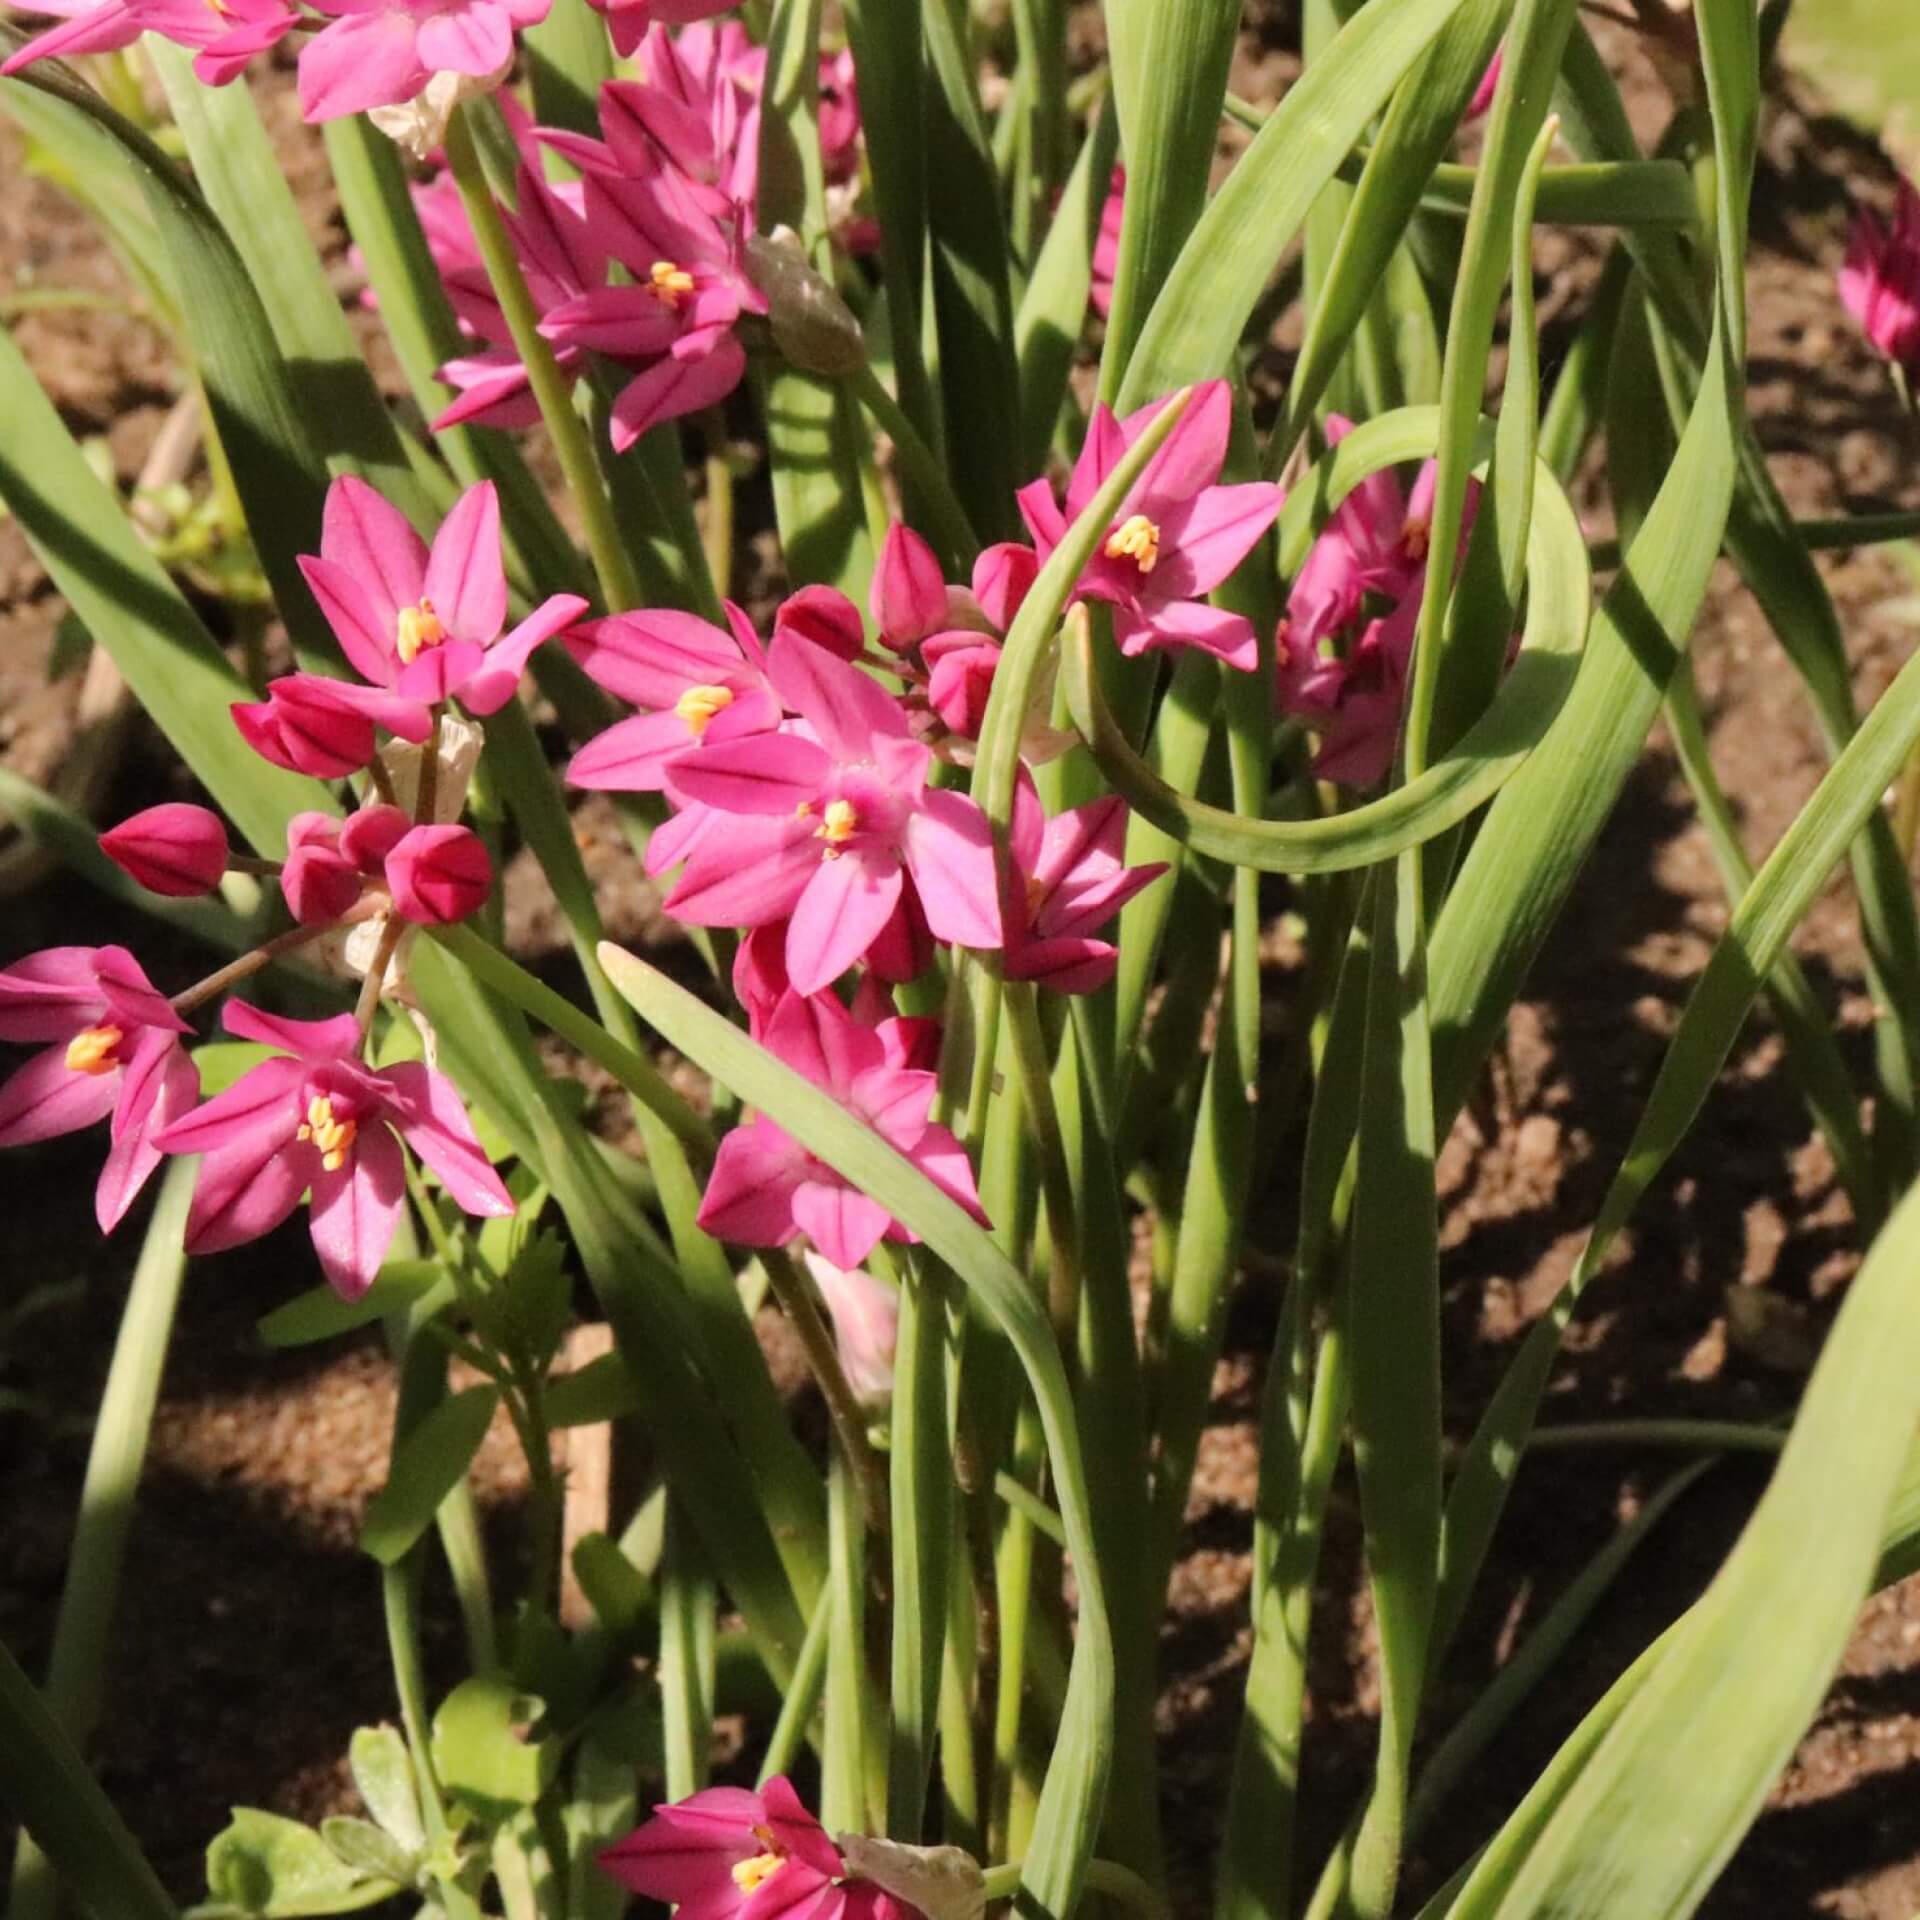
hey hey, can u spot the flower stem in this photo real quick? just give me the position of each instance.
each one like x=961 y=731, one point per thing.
x=251 y=963
x=370 y=987
x=427 y=794
x=925 y=477
x=718 y=532
x=618 y=585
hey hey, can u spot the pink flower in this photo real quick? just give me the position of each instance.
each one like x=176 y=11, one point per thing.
x=831 y=820
x=726 y=1852
x=297 y=728
x=628 y=20
x=316 y=1118
x=115 y=1050
x=1880 y=282
x=381 y=53
x=908 y=598
x=1178 y=533
x=960 y=670
x=420 y=626
x=368 y=835
x=1068 y=877
x=174 y=849
x=1489 y=84
x=319 y=882
x=825 y=616
x=1002 y=577
x=701 y=686
x=1106 y=245
x=226 y=36
x=766 y=1187
x=439 y=875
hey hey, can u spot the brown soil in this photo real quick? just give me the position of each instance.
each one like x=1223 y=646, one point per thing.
x=250 y=1642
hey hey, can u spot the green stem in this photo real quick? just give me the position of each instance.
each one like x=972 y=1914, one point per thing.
x=1056 y=1176
x=1103 y=1876
x=802 y=1696
x=717 y=535
x=1717 y=1436
x=925 y=477
x=89 y=1597
x=618 y=585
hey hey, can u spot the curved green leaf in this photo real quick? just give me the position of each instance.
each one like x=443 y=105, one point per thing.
x=427 y=1465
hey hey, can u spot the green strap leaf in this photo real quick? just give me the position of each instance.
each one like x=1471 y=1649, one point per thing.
x=427 y=1465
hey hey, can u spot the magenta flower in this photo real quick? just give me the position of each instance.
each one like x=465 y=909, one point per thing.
x=908 y=598
x=316 y=1120
x=439 y=875
x=825 y=616
x=225 y=34
x=831 y=822
x=319 y=882
x=420 y=626
x=115 y=1049
x=628 y=20
x=1177 y=536
x=382 y=53
x=1068 y=879
x=701 y=686
x=1489 y=85
x=1880 y=282
x=726 y=1852
x=173 y=849
x=866 y=1326
x=766 y=1187
x=960 y=670
x=296 y=727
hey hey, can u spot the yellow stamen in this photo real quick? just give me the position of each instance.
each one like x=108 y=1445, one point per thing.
x=333 y=1137
x=1414 y=537
x=750 y=1875
x=698 y=705
x=95 y=1051
x=840 y=823
x=669 y=284
x=417 y=629
x=1136 y=538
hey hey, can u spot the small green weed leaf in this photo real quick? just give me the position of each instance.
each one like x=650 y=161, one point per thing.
x=485 y=1751
x=280 y=1870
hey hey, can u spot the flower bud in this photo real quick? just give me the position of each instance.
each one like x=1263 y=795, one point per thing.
x=812 y=325
x=825 y=616
x=908 y=598
x=291 y=729
x=439 y=875
x=1001 y=578
x=372 y=833
x=866 y=1325
x=175 y=849
x=318 y=886
x=961 y=677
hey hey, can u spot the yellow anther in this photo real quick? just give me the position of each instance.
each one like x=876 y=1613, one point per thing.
x=669 y=284
x=750 y=1875
x=96 y=1051
x=698 y=705
x=1136 y=538
x=333 y=1137
x=417 y=629
x=839 y=823
x=804 y=811
x=1414 y=537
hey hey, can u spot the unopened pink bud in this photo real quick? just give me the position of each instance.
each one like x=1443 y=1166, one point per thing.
x=439 y=875
x=368 y=836
x=961 y=679
x=1001 y=577
x=318 y=886
x=866 y=1325
x=1880 y=282
x=908 y=599
x=825 y=616
x=175 y=849
x=292 y=730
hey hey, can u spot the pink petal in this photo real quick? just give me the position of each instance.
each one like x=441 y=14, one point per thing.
x=944 y=1161
x=751 y=870
x=1190 y=623
x=474 y=38
x=843 y=1223
x=258 y=1113
x=1204 y=540
x=356 y=1209
x=632 y=756
x=437 y=673
x=364 y=637
x=749 y=1197
x=365 y=60
x=465 y=580
x=488 y=690
x=650 y=659
x=246 y=1190
x=337 y=1038
x=130 y=996
x=949 y=848
x=305 y=737
x=673 y=387
x=493 y=391
x=765 y=773
x=816 y=1036
x=433 y=1121
x=49 y=995
x=847 y=709
x=162 y=1096
x=838 y=916
x=1041 y=511
x=45 y=1097
x=307 y=698
x=1193 y=453
x=103 y=29
x=1068 y=965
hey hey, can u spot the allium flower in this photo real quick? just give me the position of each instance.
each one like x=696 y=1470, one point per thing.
x=701 y=686
x=173 y=849
x=381 y=53
x=1068 y=878
x=1106 y=245
x=225 y=36
x=766 y=1187
x=1178 y=533
x=831 y=822
x=1880 y=282
x=316 y=1119
x=115 y=1049
x=421 y=627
